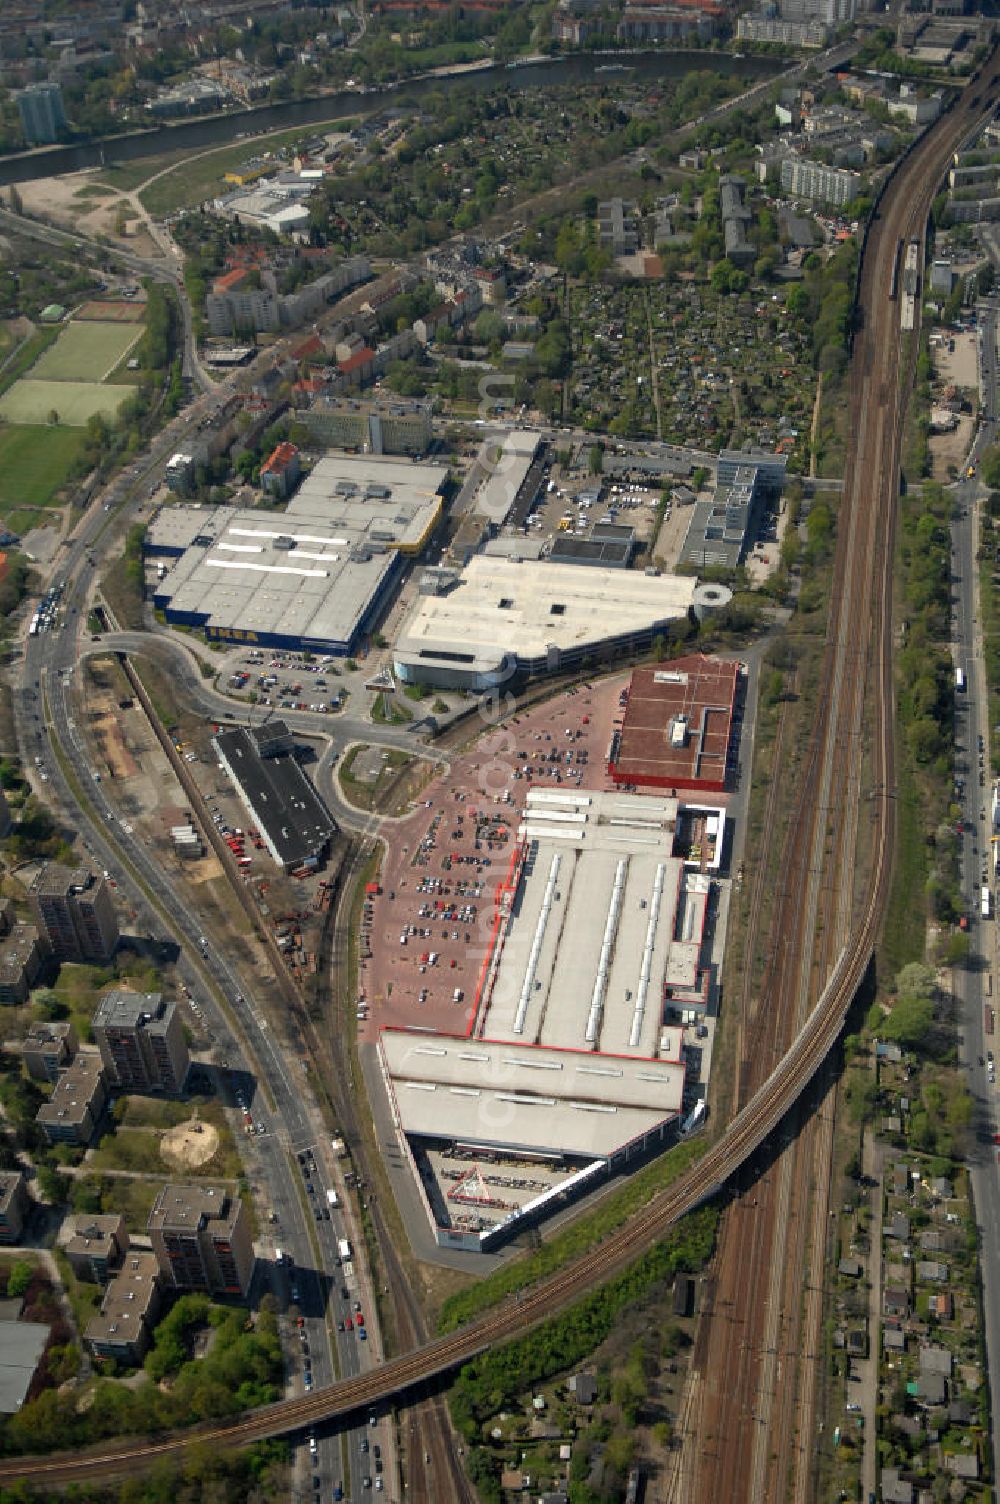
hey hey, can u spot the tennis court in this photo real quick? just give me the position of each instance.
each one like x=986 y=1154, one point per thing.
x=31 y=401
x=86 y=352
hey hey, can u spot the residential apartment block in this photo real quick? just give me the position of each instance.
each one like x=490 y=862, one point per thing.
x=201 y=1238
x=23 y=954
x=123 y=1328
x=141 y=1040
x=232 y=309
x=387 y=427
x=14 y=1201
x=40 y=107
x=776 y=29
x=819 y=183
x=280 y=471
x=74 y=911
x=72 y=1112
x=96 y=1246
x=48 y=1049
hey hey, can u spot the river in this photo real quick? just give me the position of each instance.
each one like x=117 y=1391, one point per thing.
x=220 y=130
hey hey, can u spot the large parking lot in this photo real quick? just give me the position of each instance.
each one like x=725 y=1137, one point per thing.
x=425 y=936
x=287 y=681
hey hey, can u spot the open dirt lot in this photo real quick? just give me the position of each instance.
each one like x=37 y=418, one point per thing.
x=108 y=733
x=114 y=311
x=958 y=366
x=79 y=202
x=189 y=1144
x=949 y=449
x=954 y=368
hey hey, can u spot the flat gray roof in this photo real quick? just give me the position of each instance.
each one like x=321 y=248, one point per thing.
x=597 y=912
x=311 y=571
x=21 y=1346
x=121 y=1009
x=504 y=606
x=186 y=1208
x=507 y=463
x=240 y=581
x=495 y=1093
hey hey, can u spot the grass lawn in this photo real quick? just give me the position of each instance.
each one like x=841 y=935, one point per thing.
x=133 y=1199
x=138 y=1150
x=387 y=711
x=167 y=1112
x=22 y=359
x=87 y=351
x=202 y=177
x=31 y=401
x=78 y=988
x=34 y=465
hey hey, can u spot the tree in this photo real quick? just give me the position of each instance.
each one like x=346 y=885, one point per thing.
x=916 y=980
x=53 y=1186
x=489 y=327
x=19 y=1278
x=909 y=1021
x=50 y=1005
x=954 y=949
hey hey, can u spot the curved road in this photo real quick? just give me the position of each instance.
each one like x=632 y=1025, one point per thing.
x=864 y=590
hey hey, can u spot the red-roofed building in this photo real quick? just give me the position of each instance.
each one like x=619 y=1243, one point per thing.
x=677 y=724
x=280 y=471
x=357 y=368
x=248 y=256
x=309 y=350
x=230 y=281
x=304 y=391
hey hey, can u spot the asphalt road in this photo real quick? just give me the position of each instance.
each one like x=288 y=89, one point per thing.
x=46 y=726
x=971 y=723
x=335 y=733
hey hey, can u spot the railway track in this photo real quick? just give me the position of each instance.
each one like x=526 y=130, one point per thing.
x=758 y=1355
x=862 y=615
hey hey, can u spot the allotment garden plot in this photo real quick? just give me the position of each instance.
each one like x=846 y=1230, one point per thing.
x=69 y=382
x=728 y=369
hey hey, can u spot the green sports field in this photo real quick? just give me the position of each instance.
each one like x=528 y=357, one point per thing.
x=34 y=464
x=86 y=352
x=31 y=401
